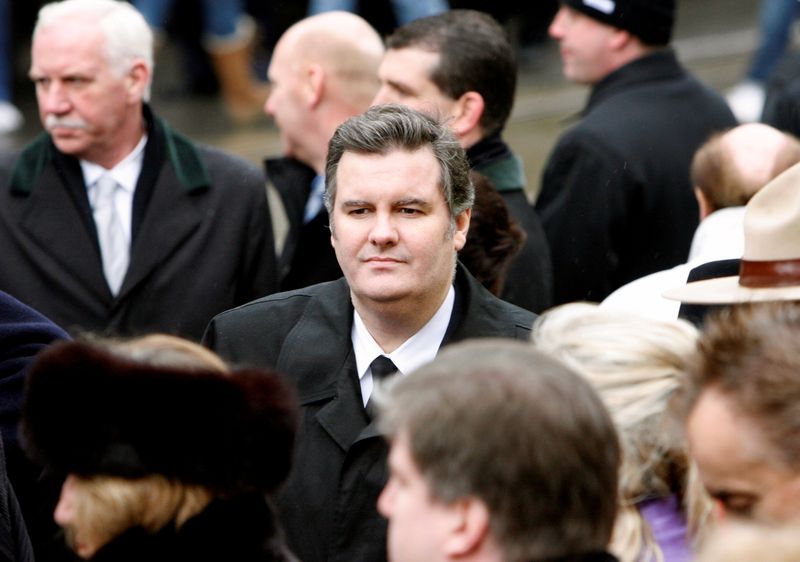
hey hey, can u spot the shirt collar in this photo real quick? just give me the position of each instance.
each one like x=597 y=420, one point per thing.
x=126 y=173
x=417 y=350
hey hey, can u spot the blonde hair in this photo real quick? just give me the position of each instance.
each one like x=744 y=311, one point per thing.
x=636 y=364
x=107 y=506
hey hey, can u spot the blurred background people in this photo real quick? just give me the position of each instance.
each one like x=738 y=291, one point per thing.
x=404 y=10
x=766 y=271
x=637 y=365
x=616 y=202
x=460 y=67
x=188 y=479
x=775 y=21
x=726 y=172
x=111 y=221
x=229 y=38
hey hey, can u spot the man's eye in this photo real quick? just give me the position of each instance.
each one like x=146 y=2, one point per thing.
x=409 y=211
x=361 y=211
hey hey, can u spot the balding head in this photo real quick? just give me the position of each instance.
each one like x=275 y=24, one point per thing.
x=324 y=70
x=732 y=166
x=346 y=47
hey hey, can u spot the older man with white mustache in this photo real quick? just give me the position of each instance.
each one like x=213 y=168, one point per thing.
x=112 y=222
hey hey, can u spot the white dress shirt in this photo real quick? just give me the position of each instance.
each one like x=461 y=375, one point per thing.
x=417 y=350
x=126 y=174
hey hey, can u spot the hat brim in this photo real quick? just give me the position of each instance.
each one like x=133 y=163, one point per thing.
x=726 y=290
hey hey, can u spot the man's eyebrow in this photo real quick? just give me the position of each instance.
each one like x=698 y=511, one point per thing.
x=401 y=87
x=411 y=201
x=355 y=203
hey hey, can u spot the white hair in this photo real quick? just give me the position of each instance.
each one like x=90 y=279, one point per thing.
x=128 y=38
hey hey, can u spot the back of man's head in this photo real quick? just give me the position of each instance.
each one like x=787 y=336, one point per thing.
x=497 y=421
x=732 y=166
x=475 y=56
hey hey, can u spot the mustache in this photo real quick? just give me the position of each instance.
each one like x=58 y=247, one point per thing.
x=52 y=121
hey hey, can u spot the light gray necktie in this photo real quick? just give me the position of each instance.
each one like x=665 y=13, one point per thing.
x=110 y=233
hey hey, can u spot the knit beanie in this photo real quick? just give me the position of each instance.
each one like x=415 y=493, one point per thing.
x=649 y=20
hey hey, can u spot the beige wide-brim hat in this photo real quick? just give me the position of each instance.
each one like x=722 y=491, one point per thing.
x=770 y=266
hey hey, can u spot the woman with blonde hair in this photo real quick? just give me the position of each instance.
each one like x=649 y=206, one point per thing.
x=637 y=365
x=168 y=454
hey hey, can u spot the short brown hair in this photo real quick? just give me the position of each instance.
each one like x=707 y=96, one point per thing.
x=502 y=422
x=751 y=355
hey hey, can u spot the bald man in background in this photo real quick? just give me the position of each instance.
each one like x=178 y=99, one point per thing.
x=324 y=70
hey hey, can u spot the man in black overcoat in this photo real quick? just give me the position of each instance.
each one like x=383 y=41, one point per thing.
x=399 y=198
x=616 y=201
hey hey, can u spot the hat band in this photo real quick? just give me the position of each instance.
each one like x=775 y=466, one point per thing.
x=777 y=273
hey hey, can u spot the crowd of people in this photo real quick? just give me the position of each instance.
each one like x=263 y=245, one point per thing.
x=377 y=348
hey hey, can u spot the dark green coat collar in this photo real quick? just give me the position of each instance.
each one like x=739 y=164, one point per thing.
x=180 y=152
x=506 y=173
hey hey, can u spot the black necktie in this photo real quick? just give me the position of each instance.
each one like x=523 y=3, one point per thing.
x=381 y=368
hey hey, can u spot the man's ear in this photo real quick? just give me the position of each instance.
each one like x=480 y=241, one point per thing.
x=620 y=39
x=462 y=227
x=705 y=205
x=467 y=113
x=470 y=528
x=315 y=84
x=137 y=80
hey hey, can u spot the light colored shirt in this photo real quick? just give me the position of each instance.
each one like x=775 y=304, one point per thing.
x=315 y=200
x=126 y=174
x=417 y=350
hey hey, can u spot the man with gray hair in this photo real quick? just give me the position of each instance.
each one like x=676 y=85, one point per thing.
x=111 y=221
x=499 y=453
x=399 y=199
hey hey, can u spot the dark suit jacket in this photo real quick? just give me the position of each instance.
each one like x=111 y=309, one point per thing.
x=307 y=257
x=201 y=239
x=328 y=505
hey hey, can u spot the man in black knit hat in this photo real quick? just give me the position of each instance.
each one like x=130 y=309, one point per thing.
x=616 y=201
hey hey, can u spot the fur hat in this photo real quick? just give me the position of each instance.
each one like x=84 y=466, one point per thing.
x=91 y=411
x=649 y=20
x=770 y=267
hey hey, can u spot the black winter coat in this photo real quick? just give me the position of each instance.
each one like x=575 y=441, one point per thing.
x=616 y=200
x=328 y=505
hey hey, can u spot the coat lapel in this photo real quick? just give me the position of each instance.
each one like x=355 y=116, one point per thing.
x=53 y=222
x=319 y=347
x=172 y=216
